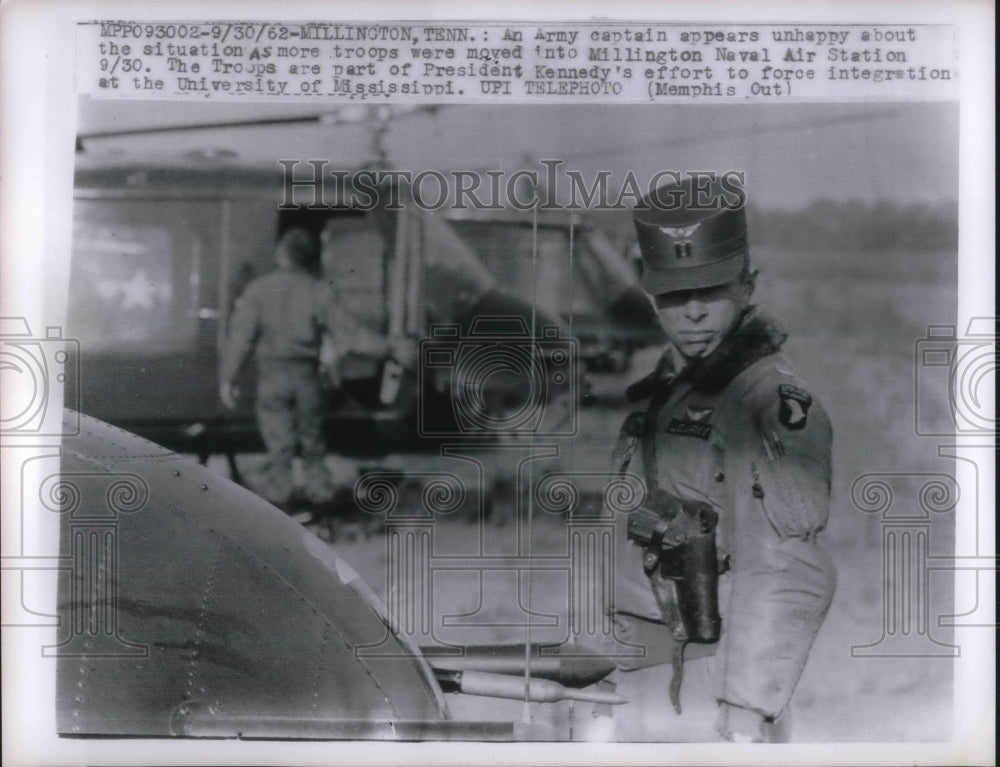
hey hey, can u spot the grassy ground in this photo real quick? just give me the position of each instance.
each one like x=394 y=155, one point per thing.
x=856 y=334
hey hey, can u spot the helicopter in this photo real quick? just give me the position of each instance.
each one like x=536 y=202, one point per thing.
x=576 y=271
x=162 y=248
x=259 y=630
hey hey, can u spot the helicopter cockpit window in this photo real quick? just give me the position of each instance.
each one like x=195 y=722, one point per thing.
x=454 y=277
x=136 y=283
x=507 y=249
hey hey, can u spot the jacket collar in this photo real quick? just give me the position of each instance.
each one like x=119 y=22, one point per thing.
x=756 y=336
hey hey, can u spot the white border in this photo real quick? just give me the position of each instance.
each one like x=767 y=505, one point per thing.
x=37 y=134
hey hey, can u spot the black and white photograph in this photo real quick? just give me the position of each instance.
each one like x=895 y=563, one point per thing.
x=536 y=389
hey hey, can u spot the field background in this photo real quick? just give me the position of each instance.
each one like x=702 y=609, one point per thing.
x=856 y=315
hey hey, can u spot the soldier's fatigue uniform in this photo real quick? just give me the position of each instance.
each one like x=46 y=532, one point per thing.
x=737 y=430
x=282 y=318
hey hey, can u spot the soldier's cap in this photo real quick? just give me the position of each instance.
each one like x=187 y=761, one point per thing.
x=692 y=234
x=299 y=245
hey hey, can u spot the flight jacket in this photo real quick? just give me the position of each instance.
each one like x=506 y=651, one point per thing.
x=740 y=431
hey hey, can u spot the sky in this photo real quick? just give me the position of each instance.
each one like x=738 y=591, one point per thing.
x=792 y=154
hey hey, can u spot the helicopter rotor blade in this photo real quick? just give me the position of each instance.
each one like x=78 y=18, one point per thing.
x=373 y=116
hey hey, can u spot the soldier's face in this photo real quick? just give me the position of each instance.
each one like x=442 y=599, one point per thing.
x=697 y=321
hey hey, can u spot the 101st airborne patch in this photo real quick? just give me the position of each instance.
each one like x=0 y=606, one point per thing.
x=794 y=410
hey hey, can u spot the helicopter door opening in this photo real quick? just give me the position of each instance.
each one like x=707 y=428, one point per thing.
x=355 y=261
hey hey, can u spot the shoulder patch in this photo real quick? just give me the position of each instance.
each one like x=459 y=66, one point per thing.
x=794 y=408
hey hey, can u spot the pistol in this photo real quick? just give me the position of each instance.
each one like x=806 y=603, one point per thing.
x=678 y=540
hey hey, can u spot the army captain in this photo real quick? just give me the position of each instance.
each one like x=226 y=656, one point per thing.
x=728 y=438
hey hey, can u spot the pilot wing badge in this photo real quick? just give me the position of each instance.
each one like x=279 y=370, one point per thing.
x=695 y=422
x=698 y=413
x=680 y=232
x=681 y=237
x=794 y=408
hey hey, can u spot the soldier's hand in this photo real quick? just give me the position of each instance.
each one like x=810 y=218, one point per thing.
x=403 y=350
x=329 y=376
x=740 y=725
x=228 y=394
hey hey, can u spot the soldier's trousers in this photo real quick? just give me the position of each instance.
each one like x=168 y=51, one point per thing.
x=649 y=716
x=289 y=415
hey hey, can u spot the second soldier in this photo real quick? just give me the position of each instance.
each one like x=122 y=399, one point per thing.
x=288 y=319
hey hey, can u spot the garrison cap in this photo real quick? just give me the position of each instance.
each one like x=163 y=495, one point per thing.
x=692 y=234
